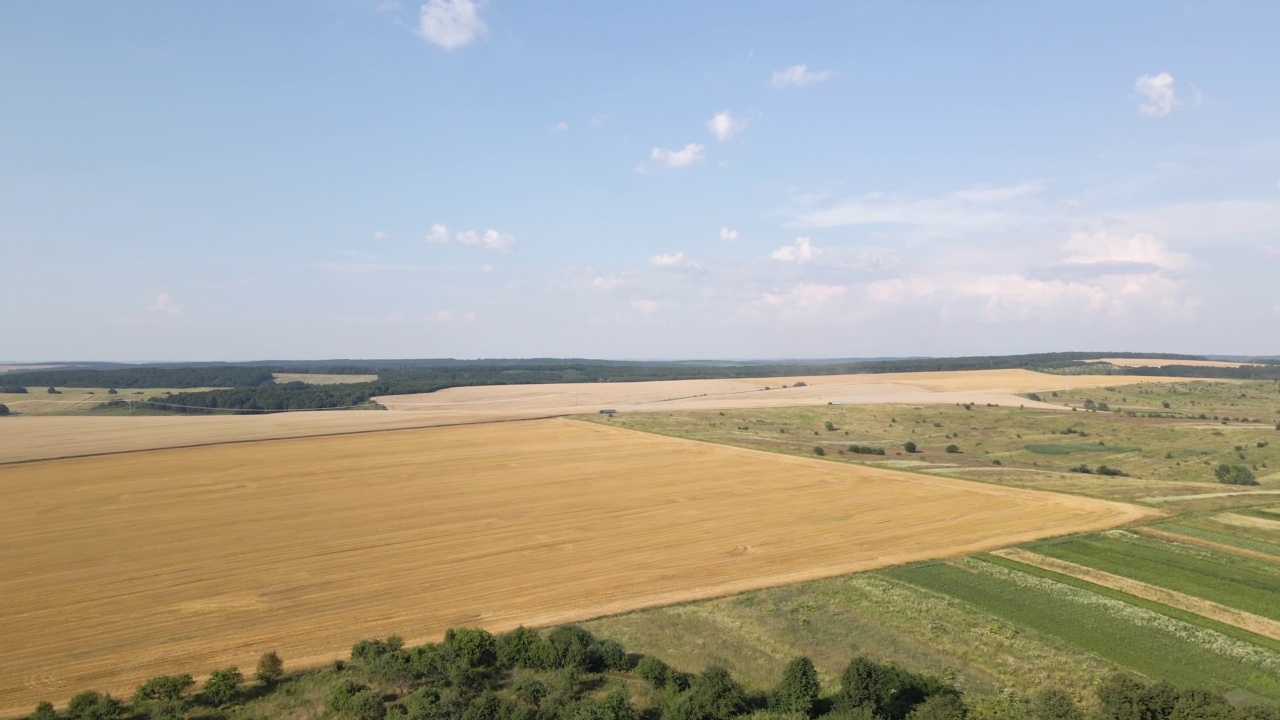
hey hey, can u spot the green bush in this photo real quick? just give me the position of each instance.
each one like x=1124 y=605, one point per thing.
x=953 y=449
x=1235 y=475
x=817 y=450
x=909 y=446
x=270 y=668
x=222 y=685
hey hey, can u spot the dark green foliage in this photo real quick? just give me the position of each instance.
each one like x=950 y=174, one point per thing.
x=953 y=449
x=53 y=390
x=1235 y=475
x=612 y=656
x=1034 y=396
x=531 y=691
x=44 y=711
x=1054 y=704
x=944 y=706
x=573 y=646
x=817 y=450
x=831 y=427
x=654 y=671
x=222 y=685
x=148 y=377
x=614 y=706
x=525 y=648
x=798 y=690
x=888 y=690
x=909 y=446
x=164 y=687
x=866 y=450
x=92 y=705
x=714 y=695
x=13 y=389
x=270 y=668
x=471 y=647
x=4 y=409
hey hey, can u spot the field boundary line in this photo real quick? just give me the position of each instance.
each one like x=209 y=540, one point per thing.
x=1199 y=606
x=1247 y=521
x=1192 y=540
x=1203 y=496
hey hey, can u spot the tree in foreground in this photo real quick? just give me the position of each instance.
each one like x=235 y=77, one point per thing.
x=44 y=711
x=270 y=668
x=798 y=690
x=4 y=409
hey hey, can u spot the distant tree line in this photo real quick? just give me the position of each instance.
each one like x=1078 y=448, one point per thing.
x=569 y=674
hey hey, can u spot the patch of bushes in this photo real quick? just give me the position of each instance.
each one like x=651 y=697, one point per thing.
x=1235 y=475
x=13 y=389
x=866 y=450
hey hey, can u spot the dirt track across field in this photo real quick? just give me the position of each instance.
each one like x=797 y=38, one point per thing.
x=33 y=438
x=115 y=569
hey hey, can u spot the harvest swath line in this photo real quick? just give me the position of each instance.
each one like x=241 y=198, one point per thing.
x=127 y=566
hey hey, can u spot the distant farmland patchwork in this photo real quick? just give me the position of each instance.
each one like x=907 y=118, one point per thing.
x=127 y=566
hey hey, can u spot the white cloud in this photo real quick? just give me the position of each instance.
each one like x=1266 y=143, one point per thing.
x=725 y=126
x=692 y=153
x=451 y=24
x=668 y=260
x=439 y=234
x=1103 y=247
x=1270 y=251
x=1158 y=98
x=166 y=305
x=798 y=76
x=805 y=296
x=938 y=216
x=490 y=240
x=727 y=234
x=800 y=252
x=1070 y=204
x=559 y=127
x=379 y=235
x=646 y=307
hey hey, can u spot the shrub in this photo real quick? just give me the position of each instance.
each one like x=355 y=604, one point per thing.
x=866 y=450
x=1034 y=396
x=1235 y=475
x=831 y=427
x=54 y=391
x=1110 y=471
x=953 y=449
x=44 y=711
x=800 y=383
x=654 y=671
x=163 y=687
x=13 y=390
x=909 y=446
x=222 y=685
x=798 y=690
x=270 y=668
x=4 y=409
x=92 y=705
x=817 y=450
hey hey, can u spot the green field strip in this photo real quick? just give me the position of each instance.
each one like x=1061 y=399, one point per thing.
x=1183 y=615
x=1224 y=538
x=1130 y=636
x=1261 y=513
x=1232 y=580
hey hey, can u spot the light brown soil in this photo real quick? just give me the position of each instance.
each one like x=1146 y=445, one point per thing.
x=1204 y=608
x=319 y=379
x=1248 y=521
x=117 y=568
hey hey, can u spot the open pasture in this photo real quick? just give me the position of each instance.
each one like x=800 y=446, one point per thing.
x=322 y=378
x=114 y=569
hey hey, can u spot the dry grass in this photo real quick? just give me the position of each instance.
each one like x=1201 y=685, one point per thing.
x=118 y=568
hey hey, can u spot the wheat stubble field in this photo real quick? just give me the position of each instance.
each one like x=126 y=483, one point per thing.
x=118 y=568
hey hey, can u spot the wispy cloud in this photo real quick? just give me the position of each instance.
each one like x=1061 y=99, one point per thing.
x=724 y=126
x=671 y=260
x=645 y=307
x=728 y=235
x=799 y=76
x=801 y=251
x=379 y=235
x=1157 y=96
x=559 y=127
x=451 y=24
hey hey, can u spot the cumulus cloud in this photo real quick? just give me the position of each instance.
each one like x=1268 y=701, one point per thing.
x=669 y=260
x=692 y=153
x=725 y=126
x=451 y=24
x=379 y=235
x=801 y=251
x=1105 y=248
x=799 y=76
x=1156 y=94
x=727 y=234
x=166 y=305
x=438 y=234
x=559 y=127
x=490 y=240
x=804 y=296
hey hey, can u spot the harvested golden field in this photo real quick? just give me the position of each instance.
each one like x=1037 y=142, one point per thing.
x=322 y=379
x=35 y=438
x=1156 y=362
x=114 y=569
x=999 y=387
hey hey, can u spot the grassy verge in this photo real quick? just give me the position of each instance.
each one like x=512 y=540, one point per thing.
x=1127 y=635
x=1232 y=580
x=1246 y=538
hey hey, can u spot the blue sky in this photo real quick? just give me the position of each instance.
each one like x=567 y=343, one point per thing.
x=183 y=181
